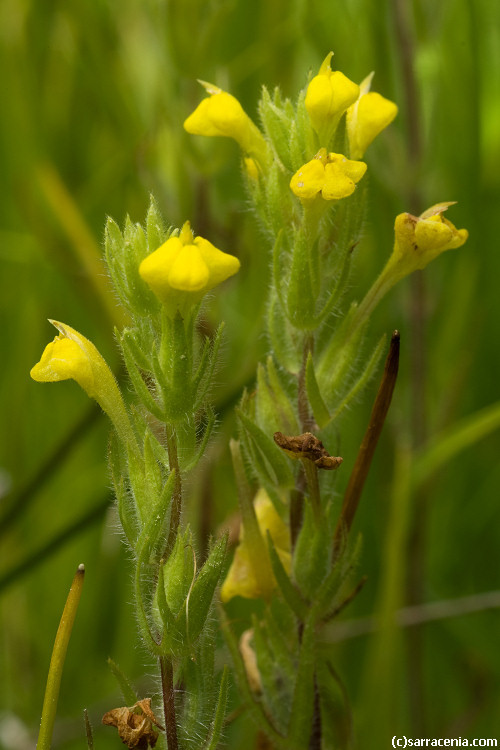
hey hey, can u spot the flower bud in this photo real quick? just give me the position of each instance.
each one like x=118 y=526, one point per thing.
x=328 y=96
x=367 y=117
x=242 y=578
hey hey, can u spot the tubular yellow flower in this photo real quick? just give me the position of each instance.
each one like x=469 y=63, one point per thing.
x=328 y=96
x=242 y=578
x=184 y=268
x=331 y=176
x=418 y=240
x=367 y=117
x=222 y=114
x=70 y=356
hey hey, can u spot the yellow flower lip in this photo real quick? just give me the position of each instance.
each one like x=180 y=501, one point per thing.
x=67 y=357
x=328 y=96
x=331 y=176
x=367 y=117
x=184 y=268
x=71 y=356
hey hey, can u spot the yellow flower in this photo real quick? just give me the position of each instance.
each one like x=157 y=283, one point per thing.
x=330 y=176
x=367 y=117
x=328 y=96
x=418 y=240
x=184 y=268
x=70 y=356
x=222 y=114
x=242 y=578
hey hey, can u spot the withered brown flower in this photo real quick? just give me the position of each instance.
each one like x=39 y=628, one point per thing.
x=134 y=724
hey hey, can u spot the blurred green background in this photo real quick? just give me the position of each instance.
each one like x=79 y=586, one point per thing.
x=94 y=96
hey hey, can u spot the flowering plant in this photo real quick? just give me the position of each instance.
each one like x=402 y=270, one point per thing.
x=305 y=180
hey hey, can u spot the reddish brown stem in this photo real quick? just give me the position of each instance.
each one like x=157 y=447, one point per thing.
x=367 y=449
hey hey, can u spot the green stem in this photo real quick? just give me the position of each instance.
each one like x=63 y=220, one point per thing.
x=311 y=473
x=57 y=661
x=175 y=513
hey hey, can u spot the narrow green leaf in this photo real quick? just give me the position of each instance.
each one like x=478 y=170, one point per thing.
x=254 y=706
x=318 y=406
x=363 y=380
x=274 y=692
x=218 y=721
x=202 y=592
x=288 y=590
x=269 y=451
x=207 y=380
x=129 y=694
x=155 y=522
x=204 y=441
x=140 y=386
x=299 y=730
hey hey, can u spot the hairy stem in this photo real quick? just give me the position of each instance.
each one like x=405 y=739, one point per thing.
x=175 y=516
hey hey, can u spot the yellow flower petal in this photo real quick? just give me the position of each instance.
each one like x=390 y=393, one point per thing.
x=221 y=265
x=308 y=181
x=189 y=272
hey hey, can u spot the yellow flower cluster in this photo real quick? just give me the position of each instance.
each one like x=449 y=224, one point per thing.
x=330 y=176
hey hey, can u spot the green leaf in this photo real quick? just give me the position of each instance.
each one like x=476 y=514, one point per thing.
x=318 y=406
x=311 y=557
x=272 y=457
x=273 y=691
x=218 y=721
x=288 y=590
x=155 y=523
x=204 y=441
x=363 y=380
x=129 y=695
x=155 y=229
x=205 y=379
x=126 y=506
x=200 y=598
x=299 y=730
x=141 y=389
x=253 y=705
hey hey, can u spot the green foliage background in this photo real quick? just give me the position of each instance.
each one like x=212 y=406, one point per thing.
x=94 y=96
